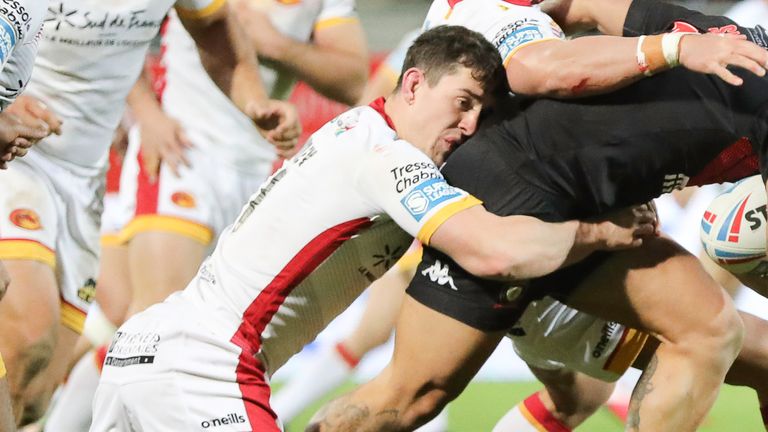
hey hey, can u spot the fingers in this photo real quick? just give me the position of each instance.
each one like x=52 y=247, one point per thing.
x=727 y=76
x=150 y=161
x=41 y=111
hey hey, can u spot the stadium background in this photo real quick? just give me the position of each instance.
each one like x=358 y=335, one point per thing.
x=504 y=380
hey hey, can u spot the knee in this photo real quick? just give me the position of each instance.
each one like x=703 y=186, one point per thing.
x=32 y=356
x=721 y=338
x=426 y=401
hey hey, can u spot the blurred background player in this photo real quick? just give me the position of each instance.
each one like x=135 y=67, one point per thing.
x=20 y=26
x=49 y=236
x=201 y=158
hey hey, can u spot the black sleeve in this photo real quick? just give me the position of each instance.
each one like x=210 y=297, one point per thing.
x=653 y=16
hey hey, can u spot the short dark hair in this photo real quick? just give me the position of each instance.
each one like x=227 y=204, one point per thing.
x=441 y=50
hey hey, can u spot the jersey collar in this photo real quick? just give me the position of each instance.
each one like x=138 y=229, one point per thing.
x=378 y=105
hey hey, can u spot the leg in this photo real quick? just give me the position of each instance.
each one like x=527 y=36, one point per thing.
x=568 y=399
x=29 y=316
x=428 y=369
x=152 y=283
x=335 y=364
x=113 y=292
x=644 y=288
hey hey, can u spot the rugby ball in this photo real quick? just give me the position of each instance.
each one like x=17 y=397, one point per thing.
x=733 y=228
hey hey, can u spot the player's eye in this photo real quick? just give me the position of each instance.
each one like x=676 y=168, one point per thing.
x=464 y=103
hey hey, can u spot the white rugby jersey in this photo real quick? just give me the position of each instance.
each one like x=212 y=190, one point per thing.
x=90 y=56
x=749 y=13
x=508 y=24
x=318 y=232
x=208 y=117
x=21 y=23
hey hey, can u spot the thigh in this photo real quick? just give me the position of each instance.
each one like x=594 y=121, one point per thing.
x=438 y=351
x=644 y=287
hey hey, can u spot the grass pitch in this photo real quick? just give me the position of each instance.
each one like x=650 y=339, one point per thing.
x=483 y=403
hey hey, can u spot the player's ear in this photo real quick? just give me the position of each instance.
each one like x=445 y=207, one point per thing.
x=413 y=78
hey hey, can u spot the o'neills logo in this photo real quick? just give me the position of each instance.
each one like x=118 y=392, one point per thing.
x=183 y=199
x=232 y=418
x=25 y=218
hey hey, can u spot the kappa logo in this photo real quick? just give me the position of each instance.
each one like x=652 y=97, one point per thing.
x=184 y=199
x=26 y=219
x=440 y=274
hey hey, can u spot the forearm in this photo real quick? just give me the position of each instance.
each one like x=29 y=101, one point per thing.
x=229 y=59
x=334 y=73
x=574 y=68
x=650 y=16
x=513 y=247
x=142 y=100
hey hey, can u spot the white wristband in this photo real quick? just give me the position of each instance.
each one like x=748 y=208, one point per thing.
x=642 y=64
x=670 y=46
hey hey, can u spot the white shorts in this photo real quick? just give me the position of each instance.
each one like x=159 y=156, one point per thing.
x=51 y=214
x=551 y=335
x=200 y=203
x=166 y=369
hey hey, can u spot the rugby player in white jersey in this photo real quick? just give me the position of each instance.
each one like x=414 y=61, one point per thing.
x=212 y=156
x=369 y=180
x=20 y=26
x=89 y=57
x=539 y=61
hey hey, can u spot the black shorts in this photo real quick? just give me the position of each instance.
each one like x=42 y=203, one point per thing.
x=487 y=305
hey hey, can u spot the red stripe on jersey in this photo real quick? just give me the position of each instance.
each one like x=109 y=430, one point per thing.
x=146 y=191
x=734 y=163
x=378 y=105
x=250 y=373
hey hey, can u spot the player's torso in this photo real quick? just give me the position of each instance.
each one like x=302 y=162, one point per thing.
x=303 y=248
x=91 y=54
x=207 y=115
x=592 y=155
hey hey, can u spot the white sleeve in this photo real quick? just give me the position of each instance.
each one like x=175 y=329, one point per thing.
x=335 y=12
x=20 y=21
x=403 y=182
x=506 y=25
x=192 y=9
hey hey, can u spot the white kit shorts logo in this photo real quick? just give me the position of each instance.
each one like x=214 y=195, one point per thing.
x=428 y=195
x=439 y=274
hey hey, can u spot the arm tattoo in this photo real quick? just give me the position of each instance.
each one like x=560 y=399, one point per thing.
x=642 y=389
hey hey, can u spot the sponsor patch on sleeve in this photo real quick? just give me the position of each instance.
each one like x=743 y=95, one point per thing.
x=427 y=195
x=517 y=34
x=7 y=39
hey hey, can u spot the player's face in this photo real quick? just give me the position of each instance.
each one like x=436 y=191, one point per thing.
x=447 y=113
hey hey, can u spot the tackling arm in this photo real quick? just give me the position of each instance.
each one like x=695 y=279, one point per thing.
x=523 y=247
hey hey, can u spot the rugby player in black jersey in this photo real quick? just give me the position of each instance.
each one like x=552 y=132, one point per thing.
x=574 y=159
